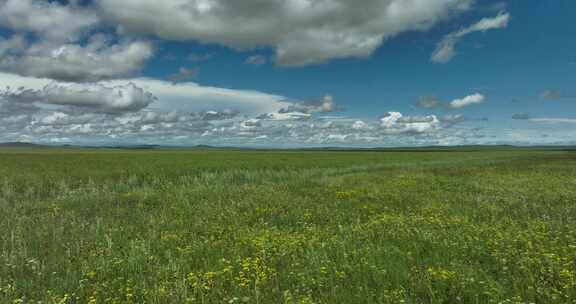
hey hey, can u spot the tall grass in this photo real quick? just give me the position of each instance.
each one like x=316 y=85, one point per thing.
x=287 y=227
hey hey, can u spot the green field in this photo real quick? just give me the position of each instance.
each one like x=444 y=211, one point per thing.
x=170 y=226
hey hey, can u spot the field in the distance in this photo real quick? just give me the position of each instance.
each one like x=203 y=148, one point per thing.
x=161 y=226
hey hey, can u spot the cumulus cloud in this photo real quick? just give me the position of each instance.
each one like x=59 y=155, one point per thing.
x=192 y=97
x=53 y=40
x=324 y=105
x=395 y=122
x=71 y=124
x=181 y=97
x=98 y=96
x=93 y=96
x=215 y=115
x=359 y=125
x=445 y=49
x=450 y=120
x=298 y=111
x=301 y=31
x=54 y=21
x=16 y=113
x=251 y=124
x=280 y=116
x=97 y=60
x=467 y=101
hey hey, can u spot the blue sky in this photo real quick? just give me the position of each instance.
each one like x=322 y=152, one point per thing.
x=314 y=74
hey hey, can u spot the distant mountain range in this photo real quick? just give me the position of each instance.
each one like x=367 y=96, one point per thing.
x=23 y=145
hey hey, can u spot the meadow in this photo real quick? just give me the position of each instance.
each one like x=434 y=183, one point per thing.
x=225 y=226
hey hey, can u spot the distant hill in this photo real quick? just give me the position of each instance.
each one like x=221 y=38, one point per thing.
x=470 y=148
x=464 y=148
x=22 y=145
x=128 y=147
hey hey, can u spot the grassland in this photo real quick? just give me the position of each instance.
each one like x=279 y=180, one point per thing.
x=111 y=226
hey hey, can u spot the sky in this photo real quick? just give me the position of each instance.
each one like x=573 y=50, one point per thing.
x=288 y=73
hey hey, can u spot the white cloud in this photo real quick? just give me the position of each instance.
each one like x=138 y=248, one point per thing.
x=181 y=97
x=97 y=60
x=467 y=101
x=445 y=50
x=325 y=104
x=54 y=21
x=17 y=81
x=450 y=120
x=151 y=126
x=192 y=97
x=301 y=31
x=94 y=96
x=54 y=40
x=395 y=122
x=359 y=125
x=215 y=115
x=286 y=116
x=251 y=124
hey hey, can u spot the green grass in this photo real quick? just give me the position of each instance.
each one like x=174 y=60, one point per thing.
x=111 y=226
